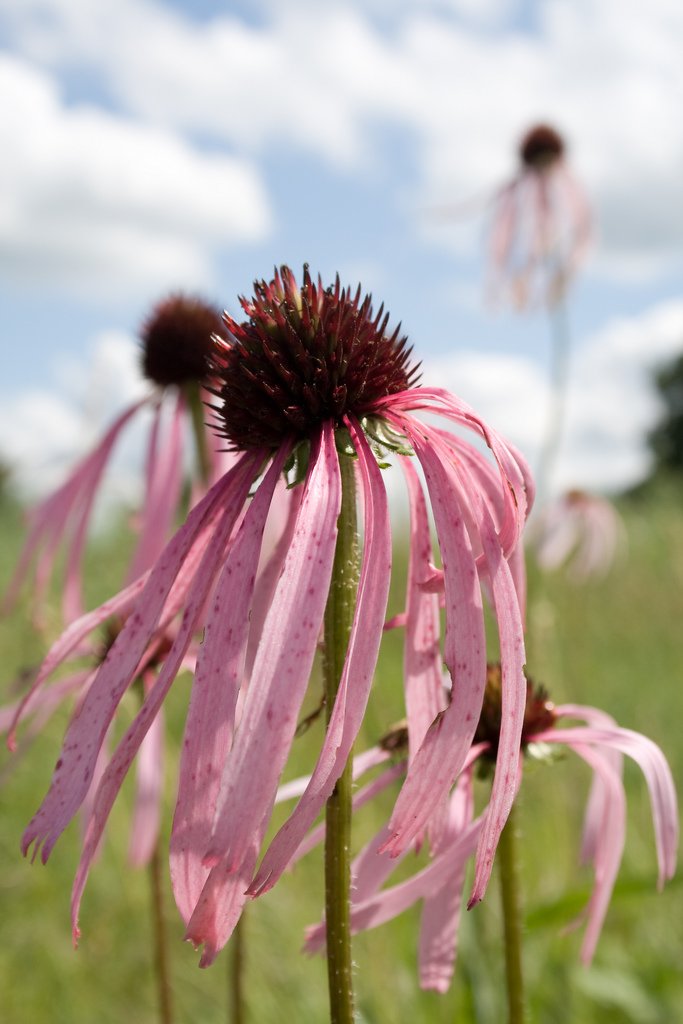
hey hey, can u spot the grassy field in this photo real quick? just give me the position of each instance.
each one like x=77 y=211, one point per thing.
x=616 y=644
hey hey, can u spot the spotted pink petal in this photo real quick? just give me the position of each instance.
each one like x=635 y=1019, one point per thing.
x=73 y=771
x=211 y=716
x=424 y=690
x=276 y=689
x=233 y=501
x=356 y=678
x=449 y=738
x=282 y=666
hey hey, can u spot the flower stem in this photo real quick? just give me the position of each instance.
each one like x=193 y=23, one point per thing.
x=197 y=414
x=338 y=621
x=508 y=862
x=236 y=972
x=161 y=963
x=559 y=378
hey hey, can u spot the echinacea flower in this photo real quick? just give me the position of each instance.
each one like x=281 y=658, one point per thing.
x=600 y=742
x=579 y=530
x=541 y=223
x=311 y=376
x=176 y=339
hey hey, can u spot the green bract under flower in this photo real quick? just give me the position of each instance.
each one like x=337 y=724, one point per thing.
x=305 y=355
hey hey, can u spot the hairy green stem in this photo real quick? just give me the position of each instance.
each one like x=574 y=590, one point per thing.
x=338 y=620
x=197 y=415
x=161 y=960
x=508 y=865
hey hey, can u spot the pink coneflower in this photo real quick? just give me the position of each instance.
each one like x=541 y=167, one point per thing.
x=580 y=531
x=310 y=378
x=175 y=348
x=541 y=223
x=600 y=742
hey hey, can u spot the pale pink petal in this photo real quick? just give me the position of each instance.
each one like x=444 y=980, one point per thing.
x=356 y=678
x=595 y=809
x=656 y=772
x=68 y=511
x=448 y=740
x=440 y=920
x=233 y=490
x=73 y=771
x=389 y=903
x=609 y=847
x=66 y=644
x=163 y=483
x=149 y=784
x=282 y=666
x=361 y=763
x=423 y=672
x=211 y=716
x=221 y=902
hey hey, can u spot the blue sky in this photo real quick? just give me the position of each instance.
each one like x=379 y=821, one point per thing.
x=152 y=146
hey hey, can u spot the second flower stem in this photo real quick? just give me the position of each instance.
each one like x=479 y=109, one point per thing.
x=338 y=621
x=508 y=862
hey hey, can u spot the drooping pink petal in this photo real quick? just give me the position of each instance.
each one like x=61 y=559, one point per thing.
x=149 y=781
x=423 y=672
x=74 y=768
x=449 y=738
x=211 y=716
x=361 y=763
x=609 y=846
x=234 y=497
x=656 y=772
x=66 y=511
x=66 y=644
x=517 y=486
x=389 y=903
x=356 y=678
x=595 y=809
x=283 y=663
x=221 y=902
x=163 y=482
x=440 y=920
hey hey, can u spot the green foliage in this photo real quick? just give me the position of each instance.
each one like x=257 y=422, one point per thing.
x=666 y=440
x=613 y=643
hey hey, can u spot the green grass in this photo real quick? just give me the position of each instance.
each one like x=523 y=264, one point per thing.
x=615 y=644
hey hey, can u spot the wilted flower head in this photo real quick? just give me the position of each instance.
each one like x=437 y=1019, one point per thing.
x=541 y=223
x=176 y=339
x=309 y=378
x=601 y=743
x=579 y=530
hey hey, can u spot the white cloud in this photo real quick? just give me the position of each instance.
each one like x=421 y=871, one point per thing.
x=44 y=432
x=96 y=201
x=324 y=79
x=612 y=403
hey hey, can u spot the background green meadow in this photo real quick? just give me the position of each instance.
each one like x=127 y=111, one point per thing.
x=615 y=643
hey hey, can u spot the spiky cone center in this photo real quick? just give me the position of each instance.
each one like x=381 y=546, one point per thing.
x=303 y=356
x=539 y=711
x=541 y=147
x=176 y=341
